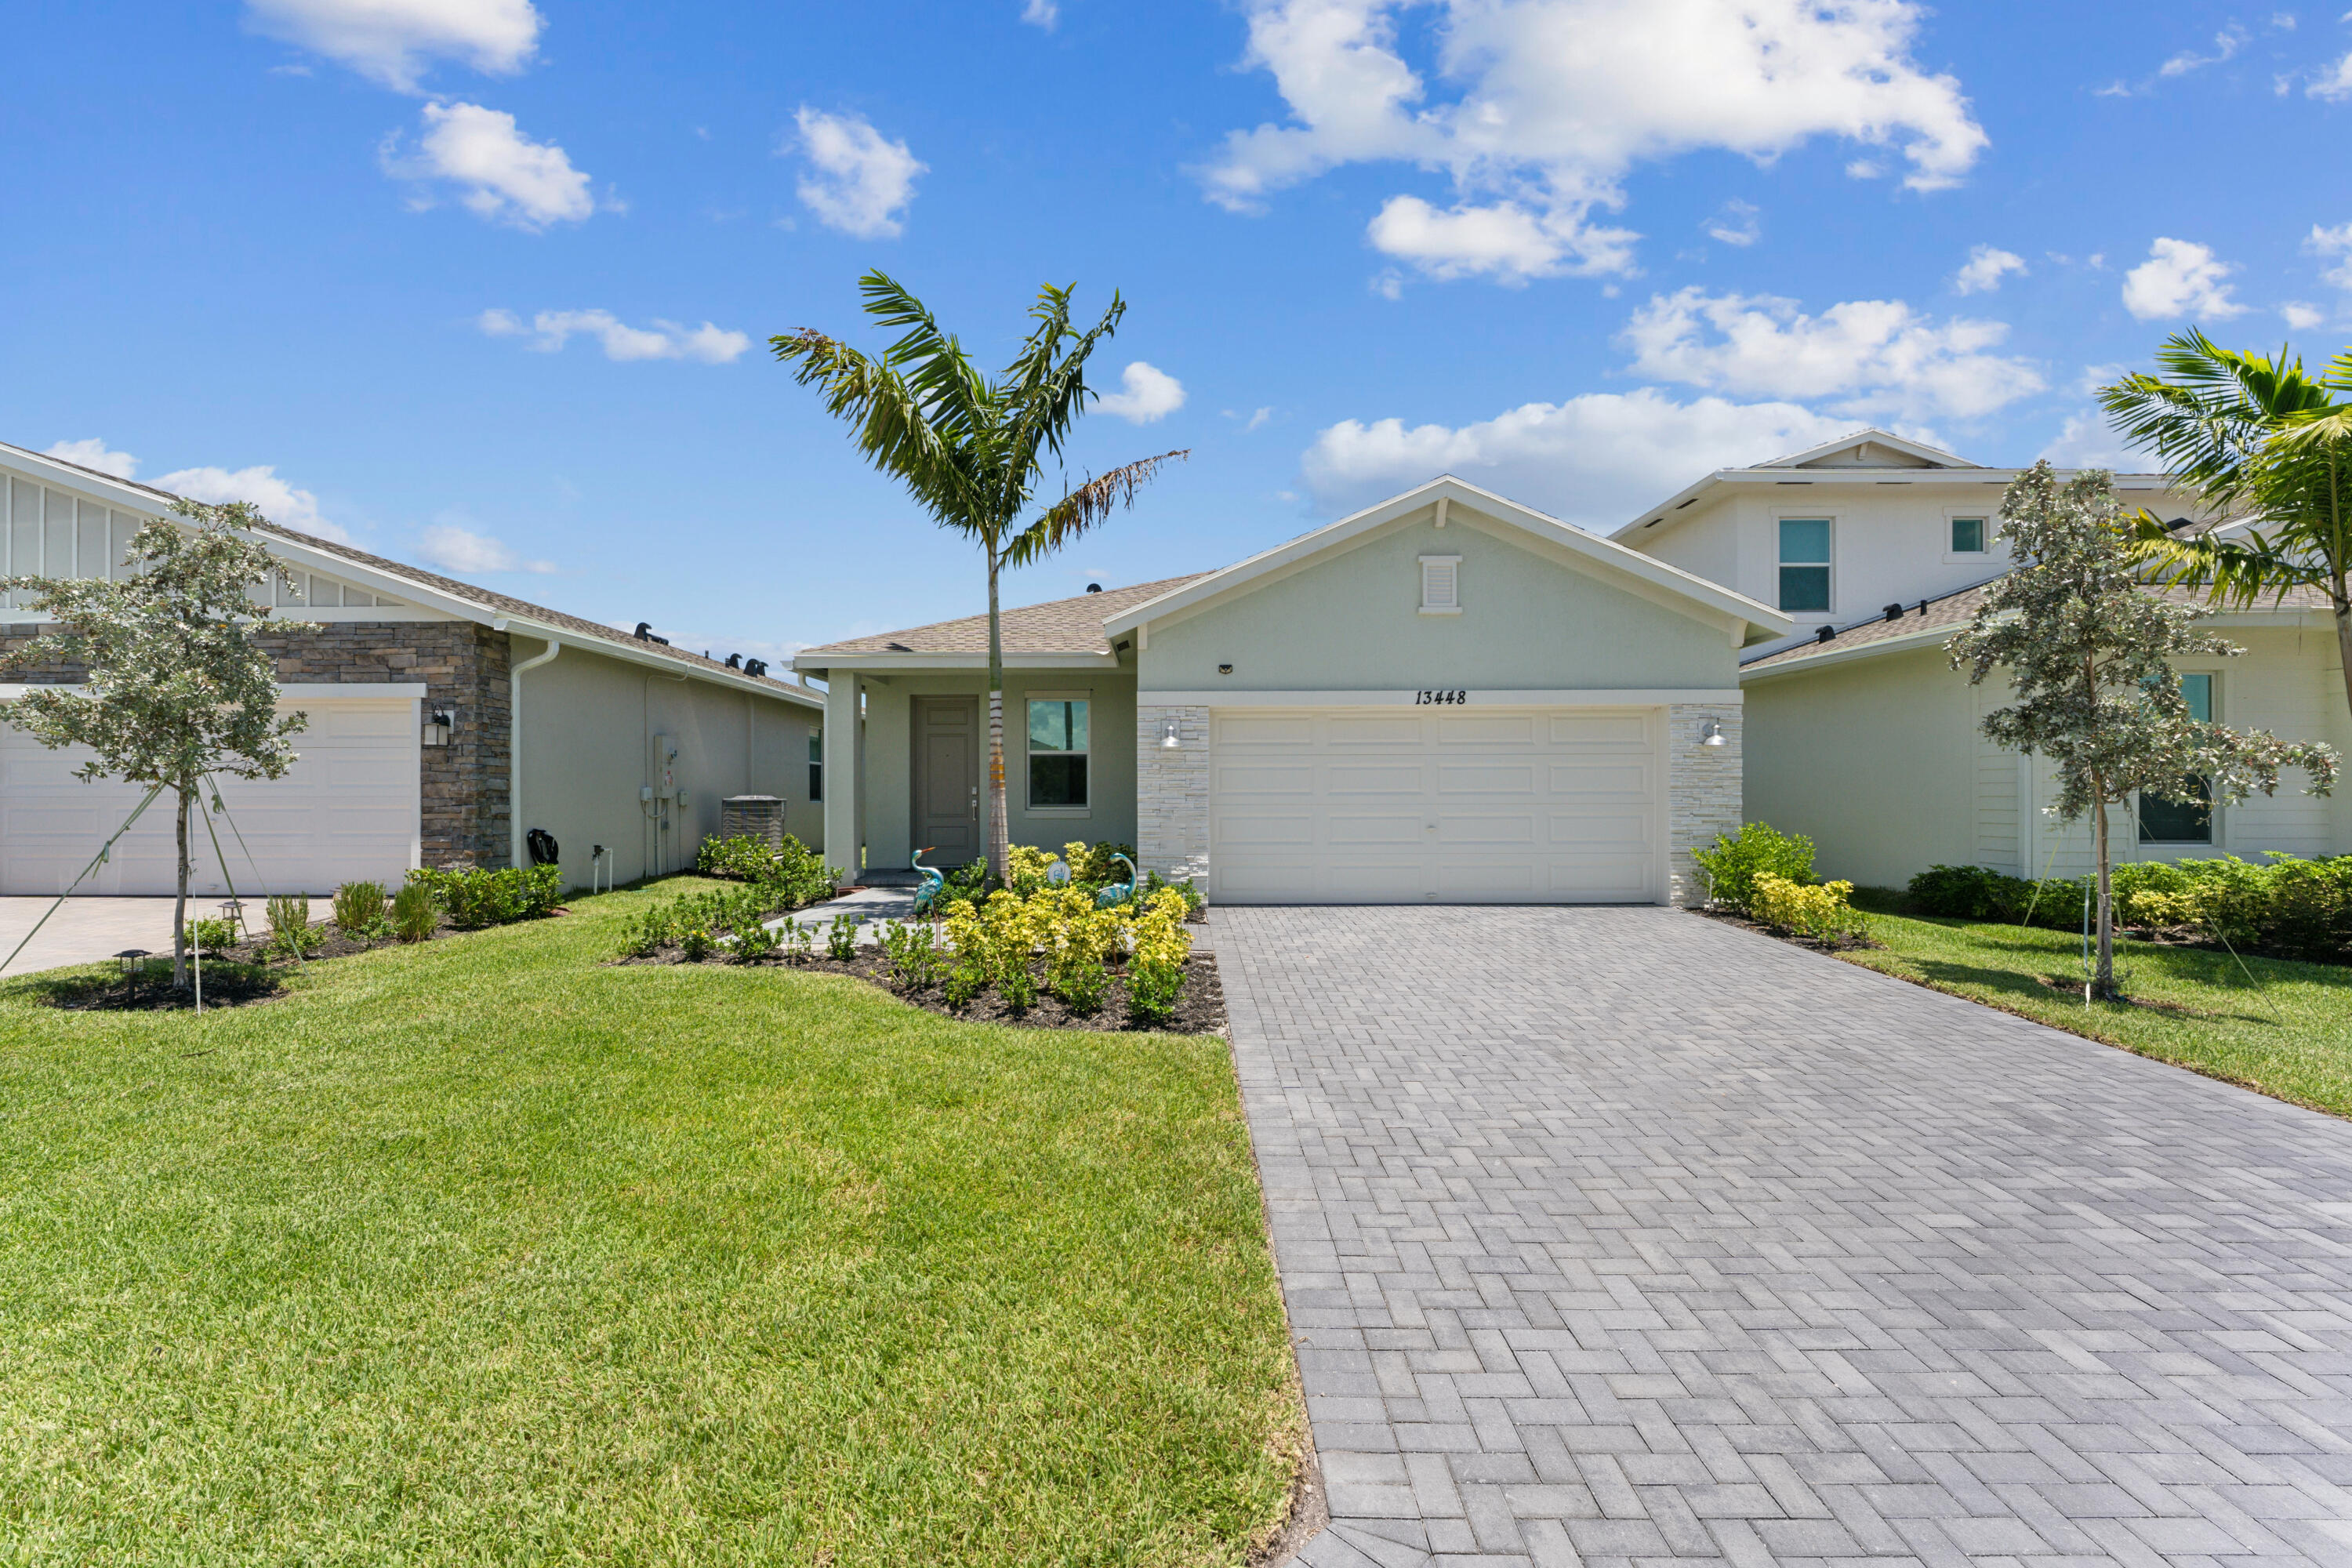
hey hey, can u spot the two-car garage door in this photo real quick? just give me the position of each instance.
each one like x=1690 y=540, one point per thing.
x=1437 y=804
x=349 y=809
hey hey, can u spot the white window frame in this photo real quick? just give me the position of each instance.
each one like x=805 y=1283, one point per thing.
x=1966 y=557
x=2213 y=808
x=1087 y=697
x=1799 y=514
x=1452 y=576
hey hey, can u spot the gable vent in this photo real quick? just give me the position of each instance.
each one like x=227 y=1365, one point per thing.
x=1441 y=584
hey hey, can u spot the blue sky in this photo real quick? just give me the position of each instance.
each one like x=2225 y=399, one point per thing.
x=487 y=284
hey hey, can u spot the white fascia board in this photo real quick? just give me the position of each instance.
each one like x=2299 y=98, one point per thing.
x=1868 y=435
x=618 y=647
x=1642 y=697
x=818 y=663
x=1663 y=515
x=1906 y=642
x=1576 y=541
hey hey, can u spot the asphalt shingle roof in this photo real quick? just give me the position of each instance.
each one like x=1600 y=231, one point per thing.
x=484 y=598
x=1058 y=625
x=1954 y=611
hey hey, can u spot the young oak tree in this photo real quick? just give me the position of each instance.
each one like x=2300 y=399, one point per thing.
x=177 y=688
x=2087 y=648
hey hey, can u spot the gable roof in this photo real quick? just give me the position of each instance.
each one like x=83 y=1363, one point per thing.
x=1445 y=489
x=1058 y=627
x=447 y=594
x=1929 y=622
x=1853 y=443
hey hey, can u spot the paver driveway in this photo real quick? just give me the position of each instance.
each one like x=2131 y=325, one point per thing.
x=1617 y=1235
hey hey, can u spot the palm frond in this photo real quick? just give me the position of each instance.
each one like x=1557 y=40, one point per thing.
x=1085 y=507
x=895 y=428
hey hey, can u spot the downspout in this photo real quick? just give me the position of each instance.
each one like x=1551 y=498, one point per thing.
x=514 y=748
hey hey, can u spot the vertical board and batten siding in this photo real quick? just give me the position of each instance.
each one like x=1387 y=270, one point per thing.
x=1997 y=781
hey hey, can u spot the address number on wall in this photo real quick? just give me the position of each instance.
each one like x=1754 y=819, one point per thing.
x=1424 y=699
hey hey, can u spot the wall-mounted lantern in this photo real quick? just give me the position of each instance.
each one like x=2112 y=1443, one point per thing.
x=438 y=727
x=1713 y=735
x=1171 y=735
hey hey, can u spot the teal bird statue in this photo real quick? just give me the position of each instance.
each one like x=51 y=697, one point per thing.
x=1118 y=893
x=927 y=896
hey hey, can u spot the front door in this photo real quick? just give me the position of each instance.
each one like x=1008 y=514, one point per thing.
x=947 y=779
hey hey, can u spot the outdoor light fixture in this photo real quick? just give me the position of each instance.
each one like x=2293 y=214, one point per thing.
x=130 y=958
x=1713 y=735
x=1171 y=735
x=437 y=728
x=233 y=912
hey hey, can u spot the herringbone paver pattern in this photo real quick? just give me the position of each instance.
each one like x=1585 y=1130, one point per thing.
x=1623 y=1236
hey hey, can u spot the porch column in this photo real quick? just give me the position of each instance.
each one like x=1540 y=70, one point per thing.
x=843 y=783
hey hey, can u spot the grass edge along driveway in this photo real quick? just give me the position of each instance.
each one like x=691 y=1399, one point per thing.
x=2279 y=1028
x=482 y=1251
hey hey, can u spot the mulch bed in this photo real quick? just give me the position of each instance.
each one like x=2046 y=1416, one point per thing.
x=229 y=985
x=1199 y=1006
x=1840 y=944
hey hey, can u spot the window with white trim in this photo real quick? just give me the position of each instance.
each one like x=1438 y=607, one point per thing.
x=1441 y=584
x=1805 y=564
x=2188 y=821
x=1968 y=536
x=816 y=767
x=1057 y=751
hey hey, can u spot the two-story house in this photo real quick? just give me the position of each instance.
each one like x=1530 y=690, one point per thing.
x=1857 y=730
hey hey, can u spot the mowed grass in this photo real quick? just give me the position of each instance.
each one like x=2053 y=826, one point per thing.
x=483 y=1252
x=2281 y=1028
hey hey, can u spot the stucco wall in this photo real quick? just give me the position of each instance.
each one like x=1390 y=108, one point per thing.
x=587 y=748
x=889 y=757
x=1530 y=621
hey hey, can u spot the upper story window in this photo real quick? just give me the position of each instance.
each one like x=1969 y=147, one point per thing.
x=2187 y=821
x=1057 y=751
x=1968 y=536
x=1441 y=584
x=1805 y=564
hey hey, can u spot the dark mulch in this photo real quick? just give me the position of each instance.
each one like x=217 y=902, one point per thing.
x=1840 y=944
x=226 y=984
x=1199 y=1006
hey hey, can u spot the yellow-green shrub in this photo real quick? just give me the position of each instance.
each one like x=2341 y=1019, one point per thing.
x=1820 y=912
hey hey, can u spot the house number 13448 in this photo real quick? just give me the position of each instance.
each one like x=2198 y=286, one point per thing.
x=1422 y=698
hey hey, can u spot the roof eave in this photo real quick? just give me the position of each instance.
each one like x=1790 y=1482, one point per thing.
x=820 y=661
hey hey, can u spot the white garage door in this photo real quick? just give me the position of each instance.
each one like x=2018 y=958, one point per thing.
x=350 y=808
x=1463 y=804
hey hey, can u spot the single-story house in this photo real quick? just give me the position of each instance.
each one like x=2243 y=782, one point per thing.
x=1448 y=696
x=1862 y=736
x=445 y=721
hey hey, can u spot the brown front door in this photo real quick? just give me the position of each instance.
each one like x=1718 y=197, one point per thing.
x=947 y=779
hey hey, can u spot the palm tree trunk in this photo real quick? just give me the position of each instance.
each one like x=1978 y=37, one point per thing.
x=1000 y=850
x=2104 y=985
x=180 y=906
x=2344 y=639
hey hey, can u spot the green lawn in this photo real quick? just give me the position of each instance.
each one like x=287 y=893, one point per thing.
x=2283 y=1028
x=482 y=1252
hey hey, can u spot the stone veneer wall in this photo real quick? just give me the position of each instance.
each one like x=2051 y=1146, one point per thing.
x=1171 y=793
x=1703 y=791
x=463 y=669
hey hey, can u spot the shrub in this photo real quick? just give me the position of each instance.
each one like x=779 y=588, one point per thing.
x=290 y=931
x=695 y=941
x=755 y=941
x=415 y=916
x=358 y=910
x=2310 y=914
x=1155 y=974
x=744 y=858
x=910 y=951
x=475 y=898
x=211 y=936
x=1737 y=860
x=1153 y=882
x=794 y=875
x=1819 y=913
x=841 y=938
x=800 y=941
x=1975 y=894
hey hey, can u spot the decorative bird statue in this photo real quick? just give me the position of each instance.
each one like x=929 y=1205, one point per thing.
x=1118 y=893
x=927 y=896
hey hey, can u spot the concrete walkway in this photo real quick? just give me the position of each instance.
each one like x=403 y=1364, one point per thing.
x=1623 y=1236
x=85 y=930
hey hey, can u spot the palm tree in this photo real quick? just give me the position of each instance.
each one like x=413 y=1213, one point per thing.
x=2255 y=437
x=971 y=449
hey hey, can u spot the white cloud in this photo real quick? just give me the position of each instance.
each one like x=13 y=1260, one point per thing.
x=551 y=329
x=95 y=453
x=2302 y=317
x=1150 y=394
x=280 y=502
x=2086 y=441
x=1555 y=101
x=1258 y=419
x=390 y=40
x=455 y=549
x=1874 y=354
x=858 y=182
x=2334 y=83
x=2226 y=43
x=2335 y=242
x=1736 y=225
x=2095 y=376
x=1041 y=14
x=1982 y=272
x=1591 y=460
x=501 y=175
x=2180 y=279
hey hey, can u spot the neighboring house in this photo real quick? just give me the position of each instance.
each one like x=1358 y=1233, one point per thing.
x=1862 y=736
x=434 y=706
x=1446 y=697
